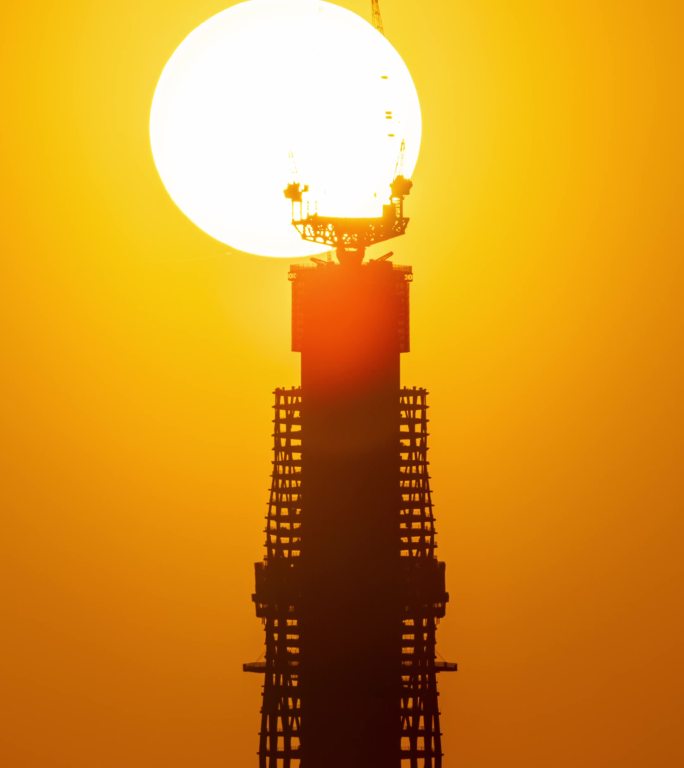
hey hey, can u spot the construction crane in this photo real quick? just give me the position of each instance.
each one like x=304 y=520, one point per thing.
x=377 y=18
x=351 y=236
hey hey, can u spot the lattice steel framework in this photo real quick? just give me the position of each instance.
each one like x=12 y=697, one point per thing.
x=424 y=590
x=277 y=590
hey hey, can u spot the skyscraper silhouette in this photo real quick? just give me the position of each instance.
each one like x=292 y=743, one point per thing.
x=350 y=589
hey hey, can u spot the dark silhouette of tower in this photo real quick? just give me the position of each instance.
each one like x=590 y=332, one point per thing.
x=350 y=590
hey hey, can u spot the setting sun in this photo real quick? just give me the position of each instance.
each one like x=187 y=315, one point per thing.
x=271 y=91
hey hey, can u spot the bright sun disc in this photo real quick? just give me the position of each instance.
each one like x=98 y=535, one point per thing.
x=272 y=91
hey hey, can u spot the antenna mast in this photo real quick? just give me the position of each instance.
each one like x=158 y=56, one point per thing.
x=377 y=18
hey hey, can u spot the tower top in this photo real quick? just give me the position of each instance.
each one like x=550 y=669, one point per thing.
x=350 y=236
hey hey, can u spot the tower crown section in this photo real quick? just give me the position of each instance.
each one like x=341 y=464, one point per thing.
x=350 y=236
x=324 y=284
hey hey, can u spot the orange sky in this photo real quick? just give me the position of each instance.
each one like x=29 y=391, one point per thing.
x=139 y=356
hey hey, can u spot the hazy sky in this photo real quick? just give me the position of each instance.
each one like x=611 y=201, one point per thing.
x=139 y=356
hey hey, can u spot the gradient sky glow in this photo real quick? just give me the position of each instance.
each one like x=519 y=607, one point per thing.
x=139 y=356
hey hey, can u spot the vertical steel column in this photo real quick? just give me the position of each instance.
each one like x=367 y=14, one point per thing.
x=349 y=319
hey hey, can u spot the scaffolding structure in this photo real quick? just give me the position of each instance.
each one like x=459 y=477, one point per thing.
x=424 y=590
x=278 y=590
x=276 y=593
